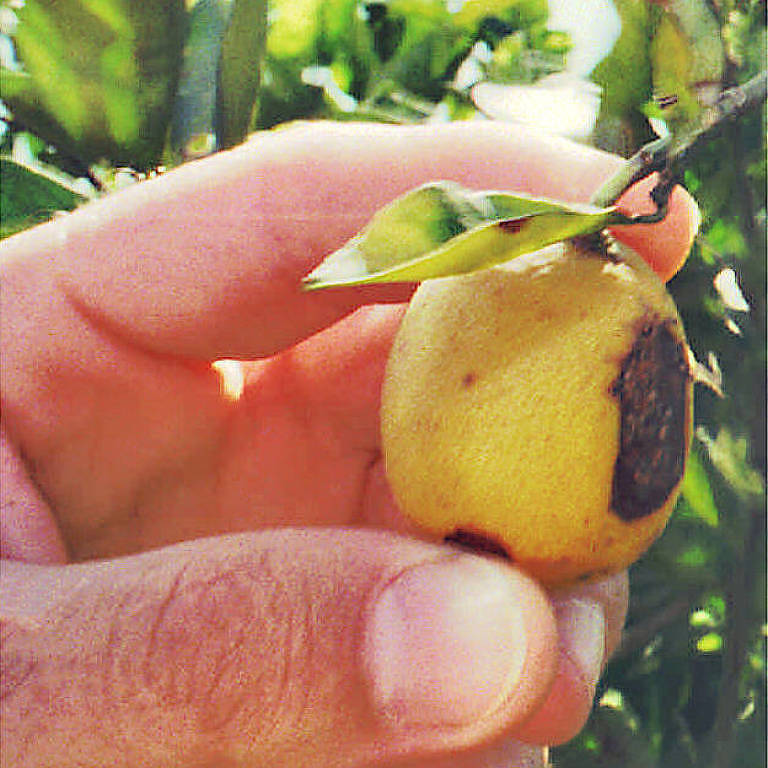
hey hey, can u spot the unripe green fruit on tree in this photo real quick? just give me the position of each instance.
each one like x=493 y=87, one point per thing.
x=542 y=409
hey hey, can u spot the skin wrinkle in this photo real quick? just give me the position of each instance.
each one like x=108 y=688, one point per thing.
x=61 y=684
x=151 y=670
x=228 y=668
x=306 y=647
x=367 y=480
x=19 y=663
x=114 y=336
x=84 y=433
x=32 y=500
x=309 y=653
x=100 y=671
x=276 y=632
x=193 y=608
x=283 y=717
x=182 y=671
x=299 y=674
x=137 y=505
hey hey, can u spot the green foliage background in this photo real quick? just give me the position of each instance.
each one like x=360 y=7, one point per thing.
x=101 y=94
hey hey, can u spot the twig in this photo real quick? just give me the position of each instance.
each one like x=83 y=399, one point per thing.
x=640 y=635
x=69 y=162
x=668 y=156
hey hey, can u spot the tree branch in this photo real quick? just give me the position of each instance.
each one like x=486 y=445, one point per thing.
x=668 y=155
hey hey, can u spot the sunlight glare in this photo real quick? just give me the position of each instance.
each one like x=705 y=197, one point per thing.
x=231 y=377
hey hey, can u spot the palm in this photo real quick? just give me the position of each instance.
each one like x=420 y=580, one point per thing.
x=167 y=455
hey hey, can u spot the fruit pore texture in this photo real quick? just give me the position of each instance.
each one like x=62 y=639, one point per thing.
x=541 y=409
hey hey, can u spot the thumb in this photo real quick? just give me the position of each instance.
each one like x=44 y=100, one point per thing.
x=290 y=647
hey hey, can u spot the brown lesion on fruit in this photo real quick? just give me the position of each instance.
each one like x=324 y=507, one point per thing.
x=652 y=390
x=469 y=378
x=478 y=541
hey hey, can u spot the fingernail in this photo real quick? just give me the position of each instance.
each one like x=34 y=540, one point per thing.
x=446 y=642
x=581 y=625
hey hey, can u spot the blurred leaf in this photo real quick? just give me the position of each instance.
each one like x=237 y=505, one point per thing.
x=729 y=456
x=688 y=61
x=697 y=492
x=312 y=33
x=430 y=42
x=239 y=71
x=625 y=78
x=702 y=618
x=744 y=34
x=101 y=75
x=29 y=196
x=725 y=238
x=442 y=229
x=712 y=642
x=193 y=124
x=294 y=28
x=522 y=13
x=612 y=739
x=693 y=556
x=688 y=554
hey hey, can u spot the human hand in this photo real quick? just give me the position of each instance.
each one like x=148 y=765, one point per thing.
x=307 y=635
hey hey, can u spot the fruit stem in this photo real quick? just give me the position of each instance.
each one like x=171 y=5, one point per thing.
x=669 y=155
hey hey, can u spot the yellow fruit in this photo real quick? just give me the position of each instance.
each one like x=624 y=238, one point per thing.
x=541 y=409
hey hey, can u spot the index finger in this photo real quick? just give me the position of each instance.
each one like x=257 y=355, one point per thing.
x=206 y=261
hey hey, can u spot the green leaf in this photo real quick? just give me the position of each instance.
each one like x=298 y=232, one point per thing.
x=442 y=229
x=697 y=492
x=242 y=51
x=101 y=75
x=31 y=195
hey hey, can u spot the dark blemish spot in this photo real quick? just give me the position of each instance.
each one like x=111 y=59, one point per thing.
x=664 y=102
x=513 y=226
x=469 y=379
x=478 y=542
x=652 y=394
x=588 y=576
x=599 y=245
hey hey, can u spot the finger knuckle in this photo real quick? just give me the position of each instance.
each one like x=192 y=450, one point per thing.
x=226 y=647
